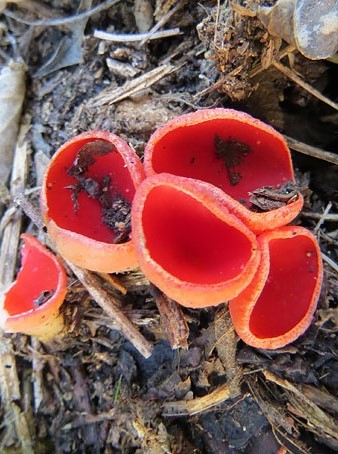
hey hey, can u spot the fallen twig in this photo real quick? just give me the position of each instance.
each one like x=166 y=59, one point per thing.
x=328 y=217
x=299 y=81
x=162 y=22
x=330 y=262
x=312 y=151
x=131 y=87
x=322 y=217
x=103 y=298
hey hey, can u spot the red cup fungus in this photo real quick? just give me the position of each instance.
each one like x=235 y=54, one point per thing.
x=187 y=242
x=31 y=304
x=86 y=200
x=235 y=152
x=279 y=303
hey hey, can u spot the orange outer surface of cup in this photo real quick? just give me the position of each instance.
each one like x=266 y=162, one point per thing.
x=191 y=292
x=184 y=146
x=40 y=271
x=278 y=305
x=78 y=248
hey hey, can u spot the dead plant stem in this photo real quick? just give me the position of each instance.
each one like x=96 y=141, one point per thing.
x=312 y=151
x=103 y=298
x=299 y=81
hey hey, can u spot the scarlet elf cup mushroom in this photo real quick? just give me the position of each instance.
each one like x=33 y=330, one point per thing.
x=86 y=199
x=278 y=304
x=235 y=152
x=187 y=242
x=31 y=304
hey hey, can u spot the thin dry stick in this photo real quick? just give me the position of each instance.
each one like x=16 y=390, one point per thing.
x=330 y=262
x=130 y=38
x=283 y=53
x=131 y=87
x=172 y=319
x=63 y=20
x=30 y=210
x=312 y=151
x=323 y=217
x=94 y=287
x=104 y=300
x=299 y=81
x=198 y=405
x=162 y=22
x=329 y=217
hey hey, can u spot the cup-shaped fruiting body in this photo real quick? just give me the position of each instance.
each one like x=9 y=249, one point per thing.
x=235 y=152
x=86 y=201
x=31 y=304
x=278 y=305
x=187 y=242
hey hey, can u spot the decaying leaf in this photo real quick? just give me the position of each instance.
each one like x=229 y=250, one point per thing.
x=12 y=93
x=311 y=26
x=69 y=51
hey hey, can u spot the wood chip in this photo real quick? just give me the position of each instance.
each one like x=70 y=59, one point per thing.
x=226 y=344
x=198 y=405
x=172 y=319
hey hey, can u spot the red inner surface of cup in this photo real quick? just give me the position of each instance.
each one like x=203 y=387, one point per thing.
x=189 y=241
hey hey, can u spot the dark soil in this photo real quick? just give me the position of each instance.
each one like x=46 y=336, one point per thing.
x=94 y=392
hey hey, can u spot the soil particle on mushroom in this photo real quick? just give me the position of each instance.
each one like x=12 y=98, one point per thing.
x=115 y=208
x=43 y=298
x=232 y=152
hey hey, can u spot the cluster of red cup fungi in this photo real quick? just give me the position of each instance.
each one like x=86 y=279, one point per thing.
x=205 y=218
